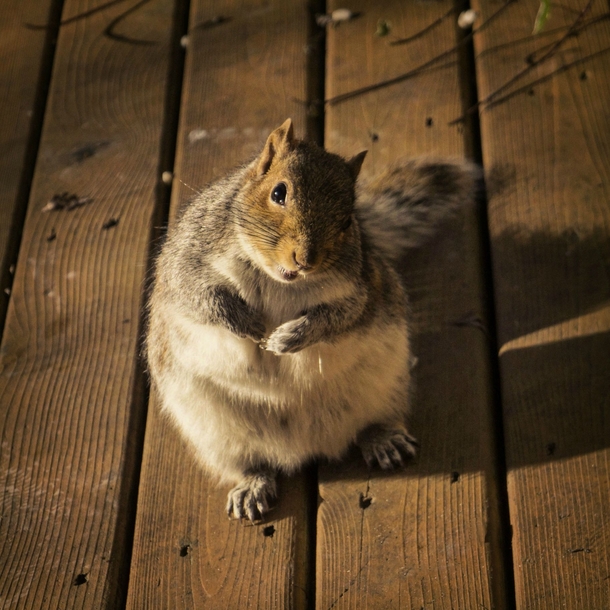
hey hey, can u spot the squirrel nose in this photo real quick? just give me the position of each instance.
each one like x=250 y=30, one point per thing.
x=303 y=259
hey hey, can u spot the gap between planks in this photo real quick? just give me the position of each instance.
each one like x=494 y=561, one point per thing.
x=18 y=183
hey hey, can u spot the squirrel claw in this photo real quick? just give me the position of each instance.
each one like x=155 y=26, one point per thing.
x=252 y=498
x=388 y=448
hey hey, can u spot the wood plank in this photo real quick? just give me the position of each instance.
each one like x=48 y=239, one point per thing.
x=427 y=536
x=24 y=57
x=242 y=80
x=546 y=144
x=69 y=388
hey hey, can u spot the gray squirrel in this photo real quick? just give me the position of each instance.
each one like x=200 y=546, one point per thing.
x=277 y=324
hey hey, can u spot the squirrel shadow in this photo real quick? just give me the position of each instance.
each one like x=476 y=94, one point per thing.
x=555 y=392
x=554 y=340
x=548 y=279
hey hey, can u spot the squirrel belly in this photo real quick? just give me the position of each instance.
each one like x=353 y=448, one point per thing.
x=240 y=406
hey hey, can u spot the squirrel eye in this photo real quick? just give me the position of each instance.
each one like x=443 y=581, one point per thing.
x=278 y=194
x=347 y=224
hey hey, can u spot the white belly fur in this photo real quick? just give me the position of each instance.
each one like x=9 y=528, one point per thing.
x=241 y=406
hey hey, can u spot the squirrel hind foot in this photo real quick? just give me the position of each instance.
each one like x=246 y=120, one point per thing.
x=387 y=447
x=252 y=497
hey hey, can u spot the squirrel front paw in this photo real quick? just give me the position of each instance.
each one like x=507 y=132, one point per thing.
x=288 y=338
x=231 y=311
x=251 y=329
x=252 y=497
x=246 y=324
x=386 y=447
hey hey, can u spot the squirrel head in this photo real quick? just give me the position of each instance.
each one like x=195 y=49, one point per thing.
x=297 y=217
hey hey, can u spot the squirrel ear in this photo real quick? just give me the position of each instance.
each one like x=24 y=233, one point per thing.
x=279 y=142
x=355 y=163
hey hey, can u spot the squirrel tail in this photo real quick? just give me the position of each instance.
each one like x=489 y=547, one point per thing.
x=403 y=206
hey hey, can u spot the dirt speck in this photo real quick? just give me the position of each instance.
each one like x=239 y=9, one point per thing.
x=81 y=579
x=185 y=550
x=111 y=222
x=364 y=501
x=269 y=531
x=65 y=201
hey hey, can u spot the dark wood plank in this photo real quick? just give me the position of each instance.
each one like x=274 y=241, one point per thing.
x=546 y=146
x=68 y=376
x=427 y=536
x=243 y=78
x=24 y=55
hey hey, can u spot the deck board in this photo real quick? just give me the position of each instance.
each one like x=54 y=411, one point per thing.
x=69 y=390
x=241 y=81
x=24 y=59
x=427 y=536
x=546 y=145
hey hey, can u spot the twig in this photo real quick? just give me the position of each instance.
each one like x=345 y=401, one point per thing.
x=531 y=58
x=536 y=62
x=425 y=30
x=540 y=80
x=83 y=15
x=530 y=37
x=109 y=29
x=575 y=28
x=345 y=96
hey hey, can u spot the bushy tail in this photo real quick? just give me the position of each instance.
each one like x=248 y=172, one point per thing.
x=403 y=206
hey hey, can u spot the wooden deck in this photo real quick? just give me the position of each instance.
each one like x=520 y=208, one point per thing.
x=508 y=504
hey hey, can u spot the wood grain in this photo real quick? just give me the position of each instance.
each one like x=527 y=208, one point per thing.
x=427 y=536
x=24 y=59
x=69 y=389
x=243 y=78
x=546 y=142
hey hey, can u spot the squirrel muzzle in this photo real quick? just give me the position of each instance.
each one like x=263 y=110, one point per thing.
x=298 y=258
x=305 y=258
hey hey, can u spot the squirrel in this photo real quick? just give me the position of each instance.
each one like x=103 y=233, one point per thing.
x=277 y=324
